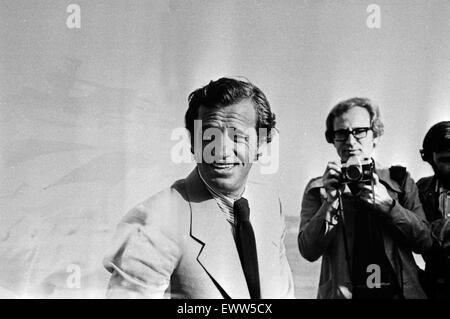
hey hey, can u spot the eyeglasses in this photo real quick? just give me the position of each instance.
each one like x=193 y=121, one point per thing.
x=358 y=133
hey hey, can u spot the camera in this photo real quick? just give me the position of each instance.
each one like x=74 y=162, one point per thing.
x=357 y=170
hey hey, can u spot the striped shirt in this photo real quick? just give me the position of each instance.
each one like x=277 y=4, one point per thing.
x=224 y=202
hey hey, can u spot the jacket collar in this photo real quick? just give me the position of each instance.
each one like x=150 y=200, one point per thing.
x=219 y=256
x=385 y=177
x=427 y=185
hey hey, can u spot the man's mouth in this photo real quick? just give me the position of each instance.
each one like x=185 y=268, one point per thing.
x=353 y=152
x=223 y=166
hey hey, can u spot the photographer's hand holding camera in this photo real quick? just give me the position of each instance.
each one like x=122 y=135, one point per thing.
x=331 y=181
x=362 y=218
x=378 y=198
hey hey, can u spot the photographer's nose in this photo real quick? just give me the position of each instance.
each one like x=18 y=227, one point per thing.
x=351 y=140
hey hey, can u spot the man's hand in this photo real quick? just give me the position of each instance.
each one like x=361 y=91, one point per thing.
x=331 y=181
x=379 y=199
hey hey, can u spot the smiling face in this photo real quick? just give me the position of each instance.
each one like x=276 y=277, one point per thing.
x=356 y=117
x=229 y=146
x=442 y=166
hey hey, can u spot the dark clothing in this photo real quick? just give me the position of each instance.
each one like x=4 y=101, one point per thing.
x=404 y=230
x=368 y=246
x=437 y=268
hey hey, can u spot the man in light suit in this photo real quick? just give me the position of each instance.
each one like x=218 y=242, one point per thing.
x=212 y=234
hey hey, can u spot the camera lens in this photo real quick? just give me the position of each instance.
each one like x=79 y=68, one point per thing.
x=354 y=172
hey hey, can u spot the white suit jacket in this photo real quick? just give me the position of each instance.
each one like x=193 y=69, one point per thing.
x=179 y=244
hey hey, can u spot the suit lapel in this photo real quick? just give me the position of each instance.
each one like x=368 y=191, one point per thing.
x=263 y=213
x=219 y=256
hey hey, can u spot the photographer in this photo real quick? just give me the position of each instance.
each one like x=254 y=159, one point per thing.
x=364 y=226
x=434 y=192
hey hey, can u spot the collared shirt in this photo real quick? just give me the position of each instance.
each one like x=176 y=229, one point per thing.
x=224 y=202
x=444 y=200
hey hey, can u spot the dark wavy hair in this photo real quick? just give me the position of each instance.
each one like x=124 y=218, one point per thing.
x=375 y=117
x=225 y=92
x=437 y=139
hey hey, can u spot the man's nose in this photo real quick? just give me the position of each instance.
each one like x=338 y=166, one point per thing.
x=226 y=147
x=351 y=139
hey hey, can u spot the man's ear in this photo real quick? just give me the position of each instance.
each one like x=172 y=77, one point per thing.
x=261 y=145
x=375 y=141
x=258 y=154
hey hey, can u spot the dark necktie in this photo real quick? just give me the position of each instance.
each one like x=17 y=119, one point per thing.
x=246 y=246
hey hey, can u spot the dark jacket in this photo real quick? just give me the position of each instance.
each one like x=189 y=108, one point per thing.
x=406 y=231
x=437 y=268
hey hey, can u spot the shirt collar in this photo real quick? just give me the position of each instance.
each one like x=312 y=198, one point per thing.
x=215 y=193
x=440 y=188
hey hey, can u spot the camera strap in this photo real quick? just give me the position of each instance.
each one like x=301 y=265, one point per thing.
x=398 y=174
x=344 y=234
